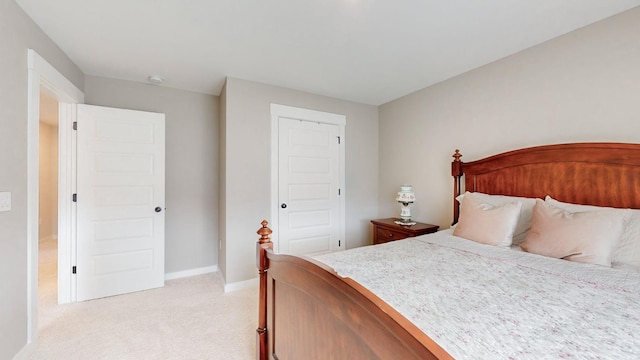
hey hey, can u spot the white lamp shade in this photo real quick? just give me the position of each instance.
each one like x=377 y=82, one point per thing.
x=406 y=195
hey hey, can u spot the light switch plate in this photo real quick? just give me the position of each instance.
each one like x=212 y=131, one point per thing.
x=5 y=201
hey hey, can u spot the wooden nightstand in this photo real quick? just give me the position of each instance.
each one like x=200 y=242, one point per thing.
x=385 y=230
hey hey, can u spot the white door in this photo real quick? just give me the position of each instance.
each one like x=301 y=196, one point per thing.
x=120 y=201
x=309 y=187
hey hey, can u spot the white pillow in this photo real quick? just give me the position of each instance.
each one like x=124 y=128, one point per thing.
x=524 y=220
x=587 y=237
x=485 y=223
x=627 y=252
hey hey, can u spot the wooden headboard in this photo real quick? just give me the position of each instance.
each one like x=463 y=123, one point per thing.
x=602 y=174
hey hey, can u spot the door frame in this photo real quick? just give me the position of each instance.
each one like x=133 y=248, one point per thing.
x=43 y=75
x=278 y=111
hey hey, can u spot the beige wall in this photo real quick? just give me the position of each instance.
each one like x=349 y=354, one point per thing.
x=17 y=34
x=247 y=170
x=48 y=204
x=191 y=172
x=584 y=86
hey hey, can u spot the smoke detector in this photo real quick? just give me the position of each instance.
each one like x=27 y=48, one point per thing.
x=155 y=79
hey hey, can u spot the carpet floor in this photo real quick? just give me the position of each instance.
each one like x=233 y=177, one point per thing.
x=189 y=318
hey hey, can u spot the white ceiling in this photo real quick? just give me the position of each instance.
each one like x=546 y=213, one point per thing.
x=368 y=51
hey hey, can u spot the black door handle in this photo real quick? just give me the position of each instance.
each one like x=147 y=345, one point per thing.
x=284 y=206
x=158 y=209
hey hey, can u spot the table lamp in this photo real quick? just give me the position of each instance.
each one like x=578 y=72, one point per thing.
x=405 y=197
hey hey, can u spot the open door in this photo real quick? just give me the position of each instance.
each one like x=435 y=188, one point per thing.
x=120 y=201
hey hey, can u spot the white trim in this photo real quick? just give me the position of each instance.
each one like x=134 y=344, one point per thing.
x=308 y=115
x=278 y=111
x=66 y=208
x=273 y=216
x=33 y=119
x=191 y=272
x=53 y=79
x=240 y=285
x=40 y=74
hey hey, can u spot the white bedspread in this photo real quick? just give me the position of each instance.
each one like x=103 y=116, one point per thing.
x=483 y=302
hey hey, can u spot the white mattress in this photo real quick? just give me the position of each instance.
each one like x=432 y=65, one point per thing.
x=484 y=302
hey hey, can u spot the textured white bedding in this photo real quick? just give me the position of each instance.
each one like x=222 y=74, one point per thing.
x=484 y=302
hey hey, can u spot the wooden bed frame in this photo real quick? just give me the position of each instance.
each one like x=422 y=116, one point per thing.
x=307 y=311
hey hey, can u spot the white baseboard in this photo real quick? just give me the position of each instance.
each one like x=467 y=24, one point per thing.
x=239 y=285
x=191 y=272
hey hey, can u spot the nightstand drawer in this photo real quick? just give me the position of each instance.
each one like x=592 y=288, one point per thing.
x=384 y=235
x=385 y=230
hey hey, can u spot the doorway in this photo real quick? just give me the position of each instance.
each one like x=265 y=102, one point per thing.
x=42 y=77
x=47 y=206
x=46 y=143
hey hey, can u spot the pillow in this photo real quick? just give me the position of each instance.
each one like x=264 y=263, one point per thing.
x=485 y=223
x=524 y=220
x=627 y=251
x=587 y=237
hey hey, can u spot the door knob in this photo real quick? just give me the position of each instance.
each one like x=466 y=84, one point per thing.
x=284 y=206
x=158 y=209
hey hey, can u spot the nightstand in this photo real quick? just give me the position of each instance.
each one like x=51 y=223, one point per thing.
x=385 y=230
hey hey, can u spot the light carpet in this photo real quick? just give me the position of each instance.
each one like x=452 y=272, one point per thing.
x=190 y=318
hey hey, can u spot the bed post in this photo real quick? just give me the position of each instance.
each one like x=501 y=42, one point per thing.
x=456 y=172
x=262 y=263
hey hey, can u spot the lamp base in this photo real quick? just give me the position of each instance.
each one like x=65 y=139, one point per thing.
x=405 y=212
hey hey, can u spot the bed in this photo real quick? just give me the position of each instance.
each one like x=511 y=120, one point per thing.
x=355 y=304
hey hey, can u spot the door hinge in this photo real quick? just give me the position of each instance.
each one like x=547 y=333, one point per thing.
x=338 y=192
x=75 y=125
x=338 y=139
x=75 y=198
x=339 y=243
x=73 y=270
